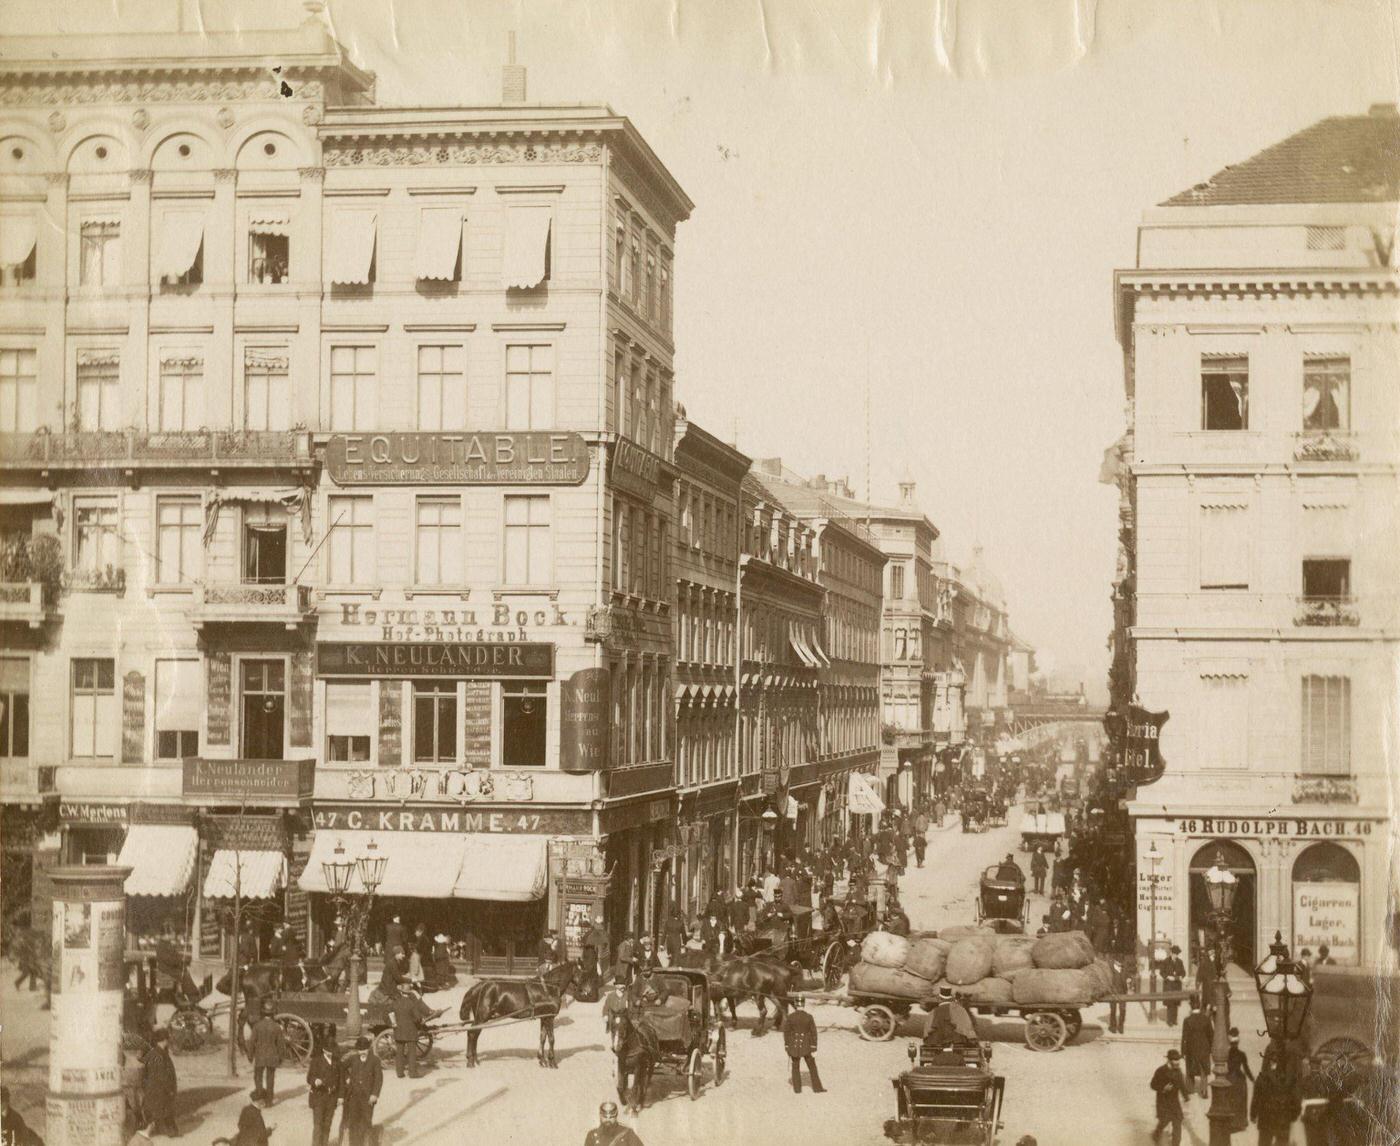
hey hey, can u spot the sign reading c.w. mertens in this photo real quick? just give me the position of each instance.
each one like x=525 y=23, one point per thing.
x=527 y=457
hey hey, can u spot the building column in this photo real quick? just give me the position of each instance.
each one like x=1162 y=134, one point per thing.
x=136 y=279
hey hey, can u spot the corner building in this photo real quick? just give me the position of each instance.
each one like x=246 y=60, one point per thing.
x=352 y=429
x=1260 y=348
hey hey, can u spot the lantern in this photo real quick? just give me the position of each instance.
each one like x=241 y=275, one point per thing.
x=1220 y=888
x=372 y=866
x=1283 y=993
x=338 y=871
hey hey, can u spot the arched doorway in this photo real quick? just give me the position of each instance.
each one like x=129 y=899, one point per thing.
x=1327 y=902
x=1233 y=858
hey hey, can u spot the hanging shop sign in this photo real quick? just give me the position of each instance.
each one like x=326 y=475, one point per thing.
x=522 y=458
x=1140 y=733
x=1328 y=914
x=636 y=813
x=1276 y=828
x=435 y=659
x=585 y=720
x=356 y=818
x=635 y=470
x=254 y=780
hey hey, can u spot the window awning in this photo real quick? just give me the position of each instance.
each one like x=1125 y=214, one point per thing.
x=26 y=497
x=247 y=874
x=18 y=234
x=820 y=653
x=351 y=253
x=161 y=858
x=527 y=247
x=439 y=243
x=422 y=865
x=182 y=235
x=270 y=223
x=795 y=640
x=510 y=869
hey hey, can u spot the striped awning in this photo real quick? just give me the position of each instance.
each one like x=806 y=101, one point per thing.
x=245 y=874
x=161 y=858
x=421 y=865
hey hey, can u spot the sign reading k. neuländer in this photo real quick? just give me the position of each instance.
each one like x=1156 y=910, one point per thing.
x=516 y=458
x=436 y=658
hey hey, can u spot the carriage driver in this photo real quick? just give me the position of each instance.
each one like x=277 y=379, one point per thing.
x=949 y=1022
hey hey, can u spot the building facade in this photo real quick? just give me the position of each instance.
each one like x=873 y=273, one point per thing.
x=1260 y=351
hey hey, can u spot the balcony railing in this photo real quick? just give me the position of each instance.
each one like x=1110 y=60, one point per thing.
x=1326 y=612
x=1325 y=446
x=1318 y=789
x=83 y=448
x=22 y=602
x=287 y=605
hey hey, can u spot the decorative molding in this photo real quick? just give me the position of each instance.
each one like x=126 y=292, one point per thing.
x=57 y=178
x=354 y=327
x=353 y=192
x=246 y=192
x=522 y=327
x=266 y=327
x=1224 y=328
x=225 y=175
x=177 y=328
x=463 y=190
x=26 y=91
x=37 y=197
x=345 y=154
x=312 y=174
x=57 y=122
x=530 y=189
x=140 y=119
x=439 y=327
x=99 y=328
x=184 y=193
x=100 y=196
x=311 y=114
x=224 y=118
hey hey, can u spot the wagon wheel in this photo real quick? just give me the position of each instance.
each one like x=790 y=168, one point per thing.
x=878 y=1024
x=1045 y=1031
x=1343 y=1052
x=719 y=1055
x=297 y=1032
x=425 y=1045
x=1073 y=1024
x=189 y=1029
x=692 y=1073
x=833 y=965
x=384 y=1046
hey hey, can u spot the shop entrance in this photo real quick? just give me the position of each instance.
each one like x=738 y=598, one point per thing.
x=1233 y=858
x=1327 y=903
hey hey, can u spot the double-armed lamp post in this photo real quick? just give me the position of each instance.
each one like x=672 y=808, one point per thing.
x=1221 y=885
x=354 y=905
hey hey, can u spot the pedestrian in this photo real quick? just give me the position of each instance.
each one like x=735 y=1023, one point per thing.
x=267 y=1045
x=1173 y=972
x=252 y=1130
x=409 y=1013
x=614 y=1005
x=646 y=958
x=1171 y=1089
x=626 y=958
x=739 y=912
x=132 y=1070
x=920 y=848
x=1324 y=956
x=1039 y=867
x=609 y=1132
x=420 y=958
x=1238 y=1070
x=1197 y=1035
x=800 y=1041
x=1100 y=925
x=25 y=950
x=324 y=1082
x=364 y=1078
x=596 y=946
x=1276 y=1105
x=1305 y=965
x=1117 y=1011
x=393 y=937
x=159 y=1086
x=675 y=932
x=444 y=974
x=14 y=1131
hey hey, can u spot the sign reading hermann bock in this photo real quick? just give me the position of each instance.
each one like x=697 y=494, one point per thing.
x=524 y=458
x=438 y=658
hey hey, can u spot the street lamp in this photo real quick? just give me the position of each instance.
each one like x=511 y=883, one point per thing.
x=1284 y=994
x=340 y=874
x=1155 y=858
x=1221 y=885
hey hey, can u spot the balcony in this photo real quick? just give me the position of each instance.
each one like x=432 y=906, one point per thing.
x=1325 y=446
x=287 y=605
x=1326 y=612
x=23 y=603
x=106 y=580
x=134 y=449
x=1317 y=789
x=637 y=779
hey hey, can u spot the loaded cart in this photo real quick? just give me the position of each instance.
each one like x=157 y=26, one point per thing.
x=1043 y=828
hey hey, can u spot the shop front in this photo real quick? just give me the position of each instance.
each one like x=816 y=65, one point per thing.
x=706 y=838
x=640 y=846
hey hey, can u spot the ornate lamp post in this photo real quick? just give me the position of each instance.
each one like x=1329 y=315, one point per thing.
x=355 y=906
x=1220 y=888
x=1284 y=994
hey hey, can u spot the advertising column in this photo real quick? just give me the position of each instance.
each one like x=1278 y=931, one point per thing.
x=85 y=1104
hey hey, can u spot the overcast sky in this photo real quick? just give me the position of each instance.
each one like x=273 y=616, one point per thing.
x=931 y=196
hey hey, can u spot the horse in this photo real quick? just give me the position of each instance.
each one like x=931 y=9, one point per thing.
x=539 y=998
x=757 y=978
x=636 y=1059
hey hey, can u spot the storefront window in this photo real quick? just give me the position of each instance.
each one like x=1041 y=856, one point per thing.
x=435 y=722
x=523 y=726
x=1327 y=903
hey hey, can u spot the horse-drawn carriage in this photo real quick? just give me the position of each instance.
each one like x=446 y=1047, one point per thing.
x=1002 y=897
x=148 y=985
x=949 y=1095
x=685 y=1030
x=1042 y=829
x=976 y=807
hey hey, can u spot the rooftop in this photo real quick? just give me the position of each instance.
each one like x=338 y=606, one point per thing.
x=1341 y=159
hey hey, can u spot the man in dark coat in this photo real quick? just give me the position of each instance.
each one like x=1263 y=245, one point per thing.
x=740 y=912
x=14 y=1131
x=393 y=938
x=609 y=1132
x=627 y=958
x=159 y=1086
x=1117 y=1012
x=267 y=1046
x=1173 y=972
x=596 y=946
x=324 y=1082
x=1039 y=867
x=364 y=1079
x=1276 y=1104
x=800 y=1041
x=410 y=1013
x=1100 y=925
x=896 y=921
x=1197 y=1034
x=1171 y=1089
x=252 y=1130
x=675 y=933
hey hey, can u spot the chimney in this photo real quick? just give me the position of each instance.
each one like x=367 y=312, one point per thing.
x=906 y=494
x=512 y=77
x=1384 y=111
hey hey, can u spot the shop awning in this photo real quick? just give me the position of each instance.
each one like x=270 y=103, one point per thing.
x=26 y=497
x=527 y=247
x=161 y=858
x=18 y=234
x=439 y=242
x=181 y=237
x=274 y=223
x=422 y=865
x=352 y=247
x=511 y=869
x=247 y=874
x=795 y=640
x=820 y=653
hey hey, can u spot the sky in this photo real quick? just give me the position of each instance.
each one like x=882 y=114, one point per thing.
x=914 y=208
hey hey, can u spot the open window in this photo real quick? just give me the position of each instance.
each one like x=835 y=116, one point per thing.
x=1224 y=392
x=439 y=254
x=435 y=722
x=1326 y=578
x=1327 y=394
x=349 y=721
x=523 y=709
x=264 y=545
x=179 y=703
x=527 y=253
x=180 y=255
x=269 y=248
x=263 y=711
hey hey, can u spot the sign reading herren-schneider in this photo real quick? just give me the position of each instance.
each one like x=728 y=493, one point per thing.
x=436 y=658
x=521 y=458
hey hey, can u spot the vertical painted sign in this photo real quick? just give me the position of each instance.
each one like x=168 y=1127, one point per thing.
x=133 y=718
x=219 y=698
x=584 y=721
x=390 y=724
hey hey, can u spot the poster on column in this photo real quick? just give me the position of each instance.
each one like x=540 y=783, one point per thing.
x=1328 y=913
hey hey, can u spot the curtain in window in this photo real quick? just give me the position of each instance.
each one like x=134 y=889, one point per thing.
x=348 y=711
x=527 y=247
x=351 y=247
x=439 y=243
x=18 y=234
x=179 y=696
x=182 y=234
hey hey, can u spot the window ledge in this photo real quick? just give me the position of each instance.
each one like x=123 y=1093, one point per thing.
x=463 y=592
x=170 y=590
x=349 y=591
x=500 y=592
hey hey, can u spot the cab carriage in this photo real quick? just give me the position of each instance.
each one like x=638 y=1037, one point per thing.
x=949 y=1095
x=1000 y=898
x=686 y=1028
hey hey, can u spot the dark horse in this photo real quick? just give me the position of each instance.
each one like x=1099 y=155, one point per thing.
x=538 y=998
x=636 y=1059
x=754 y=977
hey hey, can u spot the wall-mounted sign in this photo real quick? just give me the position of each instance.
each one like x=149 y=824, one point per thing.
x=436 y=659
x=349 y=817
x=256 y=780
x=585 y=720
x=133 y=717
x=1328 y=914
x=1275 y=828
x=464 y=786
x=84 y=813
x=500 y=622
x=635 y=470
x=516 y=458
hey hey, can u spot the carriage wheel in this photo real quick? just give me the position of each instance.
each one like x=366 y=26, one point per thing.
x=297 y=1032
x=692 y=1073
x=719 y=1055
x=833 y=965
x=189 y=1029
x=1343 y=1048
x=1073 y=1024
x=425 y=1046
x=1045 y=1031
x=878 y=1024
x=384 y=1046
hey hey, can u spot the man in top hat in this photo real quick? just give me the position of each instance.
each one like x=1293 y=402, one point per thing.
x=595 y=949
x=1173 y=972
x=159 y=1085
x=1197 y=1036
x=393 y=937
x=267 y=1046
x=800 y=1042
x=1171 y=1089
x=949 y=1021
x=1276 y=1104
x=364 y=1078
x=410 y=1013
x=1039 y=867
x=324 y=1082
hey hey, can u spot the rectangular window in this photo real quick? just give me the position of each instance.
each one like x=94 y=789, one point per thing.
x=897 y=582
x=438 y=541
x=1326 y=578
x=352 y=395
x=264 y=706
x=1327 y=393
x=439 y=254
x=179 y=521
x=619 y=269
x=528 y=553
x=639 y=404
x=181 y=394
x=179 y=702
x=14 y=707
x=1225 y=722
x=349 y=720
x=526 y=260
x=19 y=242
x=266 y=392
x=529 y=388
x=264 y=545
x=1224 y=392
x=649 y=288
x=621 y=406
x=98 y=387
x=1224 y=547
x=95 y=542
x=269 y=248
x=635 y=259
x=93 y=710
x=99 y=252
x=351 y=540
x=435 y=722
x=442 y=388
x=19 y=390
x=622 y=539
x=1326 y=732
x=523 y=708
x=180 y=253
x=665 y=298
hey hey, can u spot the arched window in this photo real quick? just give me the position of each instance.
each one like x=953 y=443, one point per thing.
x=1326 y=863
